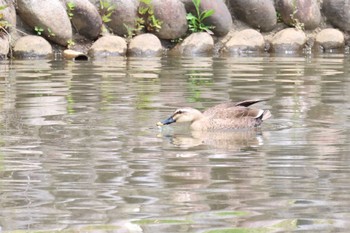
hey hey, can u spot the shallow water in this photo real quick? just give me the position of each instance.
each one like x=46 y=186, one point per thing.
x=80 y=151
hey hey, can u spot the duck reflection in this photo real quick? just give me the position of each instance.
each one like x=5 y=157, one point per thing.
x=232 y=140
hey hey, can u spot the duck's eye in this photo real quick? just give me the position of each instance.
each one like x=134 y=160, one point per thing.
x=179 y=112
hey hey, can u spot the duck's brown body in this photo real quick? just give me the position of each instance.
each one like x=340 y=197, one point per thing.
x=221 y=117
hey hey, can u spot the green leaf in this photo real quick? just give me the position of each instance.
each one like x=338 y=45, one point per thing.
x=3 y=7
x=189 y=16
x=147 y=2
x=143 y=10
x=206 y=14
x=196 y=3
x=106 y=19
x=111 y=8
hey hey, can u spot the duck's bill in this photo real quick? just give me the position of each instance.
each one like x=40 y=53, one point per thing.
x=166 y=122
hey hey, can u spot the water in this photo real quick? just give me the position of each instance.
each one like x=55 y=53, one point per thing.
x=80 y=151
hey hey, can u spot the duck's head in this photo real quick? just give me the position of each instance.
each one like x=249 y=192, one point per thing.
x=182 y=115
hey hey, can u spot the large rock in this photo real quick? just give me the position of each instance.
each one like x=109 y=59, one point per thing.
x=245 y=41
x=86 y=19
x=8 y=14
x=221 y=19
x=145 y=45
x=200 y=43
x=256 y=13
x=305 y=13
x=4 y=47
x=124 y=16
x=108 y=46
x=338 y=13
x=330 y=39
x=288 y=40
x=50 y=16
x=172 y=14
x=32 y=47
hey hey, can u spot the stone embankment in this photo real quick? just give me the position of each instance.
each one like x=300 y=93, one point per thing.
x=104 y=28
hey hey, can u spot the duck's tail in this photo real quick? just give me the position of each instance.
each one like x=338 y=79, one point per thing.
x=265 y=115
x=262 y=116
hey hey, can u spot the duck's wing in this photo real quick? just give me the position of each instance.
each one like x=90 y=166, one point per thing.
x=217 y=108
x=228 y=105
x=236 y=112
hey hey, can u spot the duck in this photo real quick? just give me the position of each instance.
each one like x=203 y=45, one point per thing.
x=224 y=116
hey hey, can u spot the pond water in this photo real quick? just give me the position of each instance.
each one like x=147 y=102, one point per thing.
x=81 y=152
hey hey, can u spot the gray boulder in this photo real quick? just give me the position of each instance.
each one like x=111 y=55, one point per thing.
x=124 y=16
x=338 y=13
x=303 y=12
x=51 y=16
x=146 y=45
x=9 y=14
x=172 y=14
x=4 y=47
x=85 y=19
x=200 y=43
x=288 y=40
x=330 y=39
x=108 y=46
x=32 y=47
x=221 y=19
x=256 y=13
x=245 y=41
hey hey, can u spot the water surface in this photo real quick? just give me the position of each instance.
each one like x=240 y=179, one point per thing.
x=80 y=151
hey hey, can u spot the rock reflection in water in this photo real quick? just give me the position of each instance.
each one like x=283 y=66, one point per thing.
x=232 y=140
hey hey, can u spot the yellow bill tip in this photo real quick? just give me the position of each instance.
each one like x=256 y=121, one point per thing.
x=159 y=123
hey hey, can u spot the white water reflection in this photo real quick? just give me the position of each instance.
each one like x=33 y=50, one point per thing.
x=229 y=140
x=80 y=149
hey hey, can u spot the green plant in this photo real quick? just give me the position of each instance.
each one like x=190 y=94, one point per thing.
x=147 y=18
x=50 y=33
x=295 y=21
x=195 y=22
x=130 y=31
x=279 y=17
x=70 y=9
x=106 y=9
x=3 y=23
x=70 y=43
x=177 y=40
x=39 y=30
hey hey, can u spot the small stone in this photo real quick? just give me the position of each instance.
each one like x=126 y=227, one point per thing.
x=123 y=16
x=32 y=47
x=330 y=38
x=245 y=41
x=107 y=46
x=50 y=16
x=221 y=19
x=145 y=45
x=306 y=13
x=86 y=19
x=338 y=13
x=256 y=13
x=200 y=43
x=172 y=15
x=288 y=40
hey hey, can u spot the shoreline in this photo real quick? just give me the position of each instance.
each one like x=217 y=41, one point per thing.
x=83 y=28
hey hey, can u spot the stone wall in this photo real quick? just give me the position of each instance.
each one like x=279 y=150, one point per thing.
x=118 y=28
